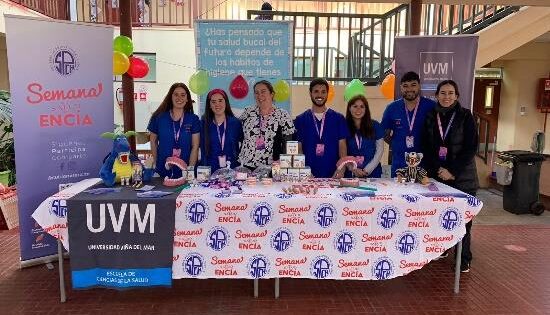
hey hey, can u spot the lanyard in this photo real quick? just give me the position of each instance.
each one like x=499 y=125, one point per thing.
x=358 y=141
x=411 y=123
x=221 y=137
x=443 y=136
x=319 y=132
x=177 y=134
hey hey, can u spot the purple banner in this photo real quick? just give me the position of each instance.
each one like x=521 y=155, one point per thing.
x=438 y=58
x=62 y=101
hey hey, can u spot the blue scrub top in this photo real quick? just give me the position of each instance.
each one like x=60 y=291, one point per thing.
x=368 y=148
x=233 y=136
x=394 y=119
x=163 y=126
x=335 y=129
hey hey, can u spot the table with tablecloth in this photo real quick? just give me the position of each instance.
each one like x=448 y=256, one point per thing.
x=338 y=233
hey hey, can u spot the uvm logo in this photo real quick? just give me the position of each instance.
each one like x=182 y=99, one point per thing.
x=407 y=242
x=59 y=208
x=388 y=217
x=410 y=198
x=325 y=215
x=193 y=264
x=283 y=196
x=258 y=266
x=473 y=201
x=197 y=211
x=64 y=60
x=261 y=214
x=450 y=219
x=281 y=239
x=382 y=269
x=344 y=242
x=321 y=267
x=217 y=238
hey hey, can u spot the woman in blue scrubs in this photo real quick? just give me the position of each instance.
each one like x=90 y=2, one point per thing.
x=366 y=139
x=221 y=132
x=174 y=131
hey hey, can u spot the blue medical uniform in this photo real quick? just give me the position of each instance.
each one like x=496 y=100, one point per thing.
x=394 y=119
x=335 y=129
x=163 y=126
x=367 y=149
x=233 y=135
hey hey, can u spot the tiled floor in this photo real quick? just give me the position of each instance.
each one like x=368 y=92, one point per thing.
x=510 y=275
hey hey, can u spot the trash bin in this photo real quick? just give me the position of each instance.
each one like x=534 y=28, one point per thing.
x=522 y=195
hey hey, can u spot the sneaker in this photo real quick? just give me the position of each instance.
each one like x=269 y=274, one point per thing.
x=465 y=267
x=444 y=255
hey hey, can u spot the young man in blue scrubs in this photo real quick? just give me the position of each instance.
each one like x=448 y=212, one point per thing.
x=403 y=120
x=321 y=132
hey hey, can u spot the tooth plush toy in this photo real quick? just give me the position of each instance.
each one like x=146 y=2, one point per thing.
x=412 y=173
x=121 y=163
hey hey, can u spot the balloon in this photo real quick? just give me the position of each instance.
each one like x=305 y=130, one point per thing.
x=198 y=83
x=138 y=67
x=330 y=95
x=354 y=88
x=388 y=86
x=238 y=87
x=124 y=45
x=120 y=63
x=282 y=91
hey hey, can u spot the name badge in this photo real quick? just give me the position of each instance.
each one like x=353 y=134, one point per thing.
x=222 y=160
x=260 y=143
x=409 y=142
x=320 y=149
x=442 y=153
x=176 y=152
x=360 y=160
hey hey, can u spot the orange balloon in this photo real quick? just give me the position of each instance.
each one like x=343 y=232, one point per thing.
x=388 y=86
x=330 y=95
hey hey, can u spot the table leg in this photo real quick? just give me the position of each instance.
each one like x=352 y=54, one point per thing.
x=457 y=266
x=276 y=288
x=256 y=288
x=62 y=293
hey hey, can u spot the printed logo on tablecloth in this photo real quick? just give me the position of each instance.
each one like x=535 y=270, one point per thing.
x=321 y=267
x=388 y=217
x=197 y=211
x=325 y=215
x=261 y=214
x=450 y=219
x=223 y=194
x=383 y=268
x=59 y=208
x=283 y=196
x=64 y=61
x=410 y=198
x=407 y=242
x=258 y=266
x=344 y=242
x=473 y=201
x=351 y=196
x=281 y=239
x=217 y=238
x=193 y=264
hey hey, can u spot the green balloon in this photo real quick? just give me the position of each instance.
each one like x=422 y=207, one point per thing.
x=124 y=45
x=282 y=91
x=198 y=83
x=354 y=88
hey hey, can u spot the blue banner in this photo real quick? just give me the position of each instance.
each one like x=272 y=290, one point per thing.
x=257 y=50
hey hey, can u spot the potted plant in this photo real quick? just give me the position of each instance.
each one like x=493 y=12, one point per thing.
x=7 y=150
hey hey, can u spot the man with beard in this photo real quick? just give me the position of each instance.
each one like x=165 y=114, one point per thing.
x=403 y=120
x=321 y=133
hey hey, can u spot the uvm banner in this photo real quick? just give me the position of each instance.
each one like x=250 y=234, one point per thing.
x=121 y=241
x=438 y=58
x=62 y=102
x=257 y=50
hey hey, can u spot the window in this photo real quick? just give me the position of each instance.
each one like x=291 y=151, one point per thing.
x=489 y=92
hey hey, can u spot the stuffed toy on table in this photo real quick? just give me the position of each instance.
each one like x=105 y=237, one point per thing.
x=121 y=166
x=412 y=173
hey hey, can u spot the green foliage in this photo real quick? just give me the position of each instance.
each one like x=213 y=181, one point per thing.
x=7 y=149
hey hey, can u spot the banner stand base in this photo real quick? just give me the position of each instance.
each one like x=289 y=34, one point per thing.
x=41 y=260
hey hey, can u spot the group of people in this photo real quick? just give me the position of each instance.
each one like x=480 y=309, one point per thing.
x=443 y=131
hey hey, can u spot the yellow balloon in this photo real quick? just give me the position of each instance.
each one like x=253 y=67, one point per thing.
x=282 y=91
x=121 y=63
